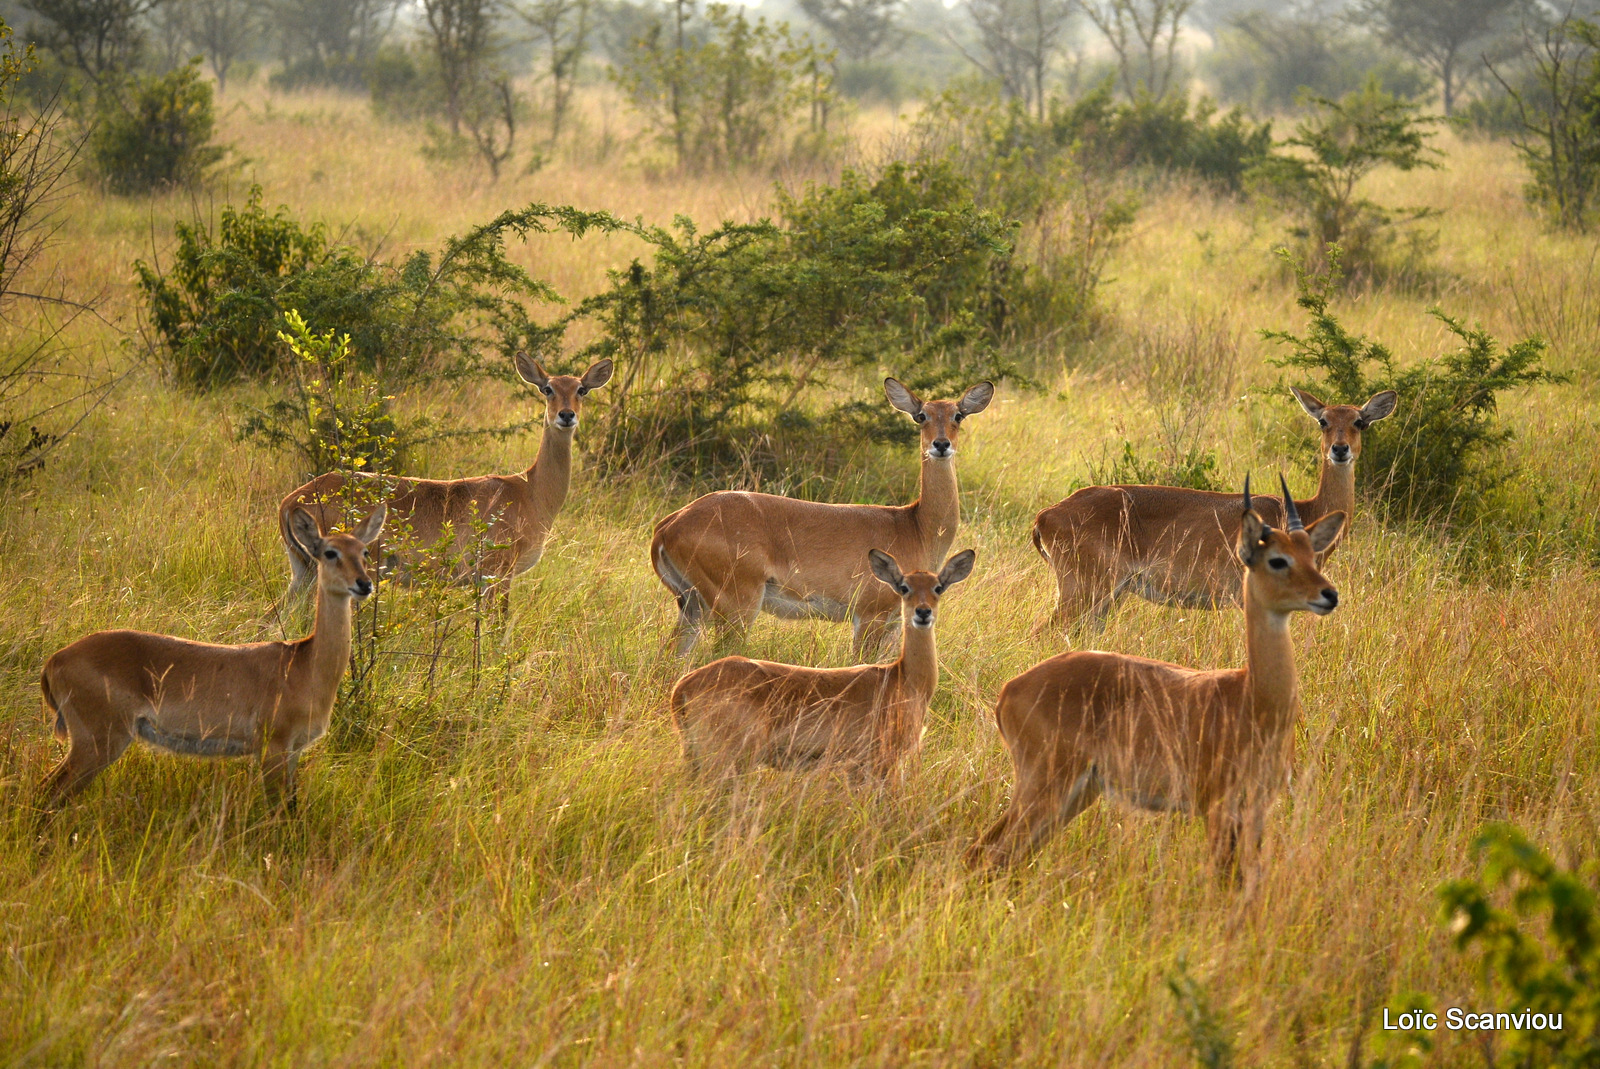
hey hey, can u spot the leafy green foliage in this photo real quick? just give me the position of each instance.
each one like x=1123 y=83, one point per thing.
x=155 y=132
x=1442 y=453
x=1340 y=143
x=1068 y=219
x=1557 y=104
x=1192 y=467
x=723 y=91
x=1556 y=970
x=725 y=331
x=1162 y=135
x=217 y=311
x=336 y=417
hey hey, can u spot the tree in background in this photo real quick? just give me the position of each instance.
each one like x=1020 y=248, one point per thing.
x=1144 y=36
x=561 y=30
x=223 y=30
x=330 y=41
x=1341 y=142
x=860 y=29
x=34 y=163
x=1444 y=36
x=1559 y=113
x=726 y=91
x=462 y=36
x=1020 y=40
x=100 y=38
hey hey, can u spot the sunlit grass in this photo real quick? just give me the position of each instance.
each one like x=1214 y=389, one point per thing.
x=509 y=864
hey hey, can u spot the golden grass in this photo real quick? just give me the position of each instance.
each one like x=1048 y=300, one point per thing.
x=519 y=871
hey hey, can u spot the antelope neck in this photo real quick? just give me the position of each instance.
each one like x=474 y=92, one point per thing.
x=1336 y=491
x=937 y=509
x=1271 y=683
x=918 y=666
x=551 y=472
x=328 y=645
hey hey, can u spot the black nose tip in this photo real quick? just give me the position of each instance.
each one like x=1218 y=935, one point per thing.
x=1341 y=451
x=1331 y=596
x=364 y=587
x=567 y=416
x=924 y=615
x=941 y=445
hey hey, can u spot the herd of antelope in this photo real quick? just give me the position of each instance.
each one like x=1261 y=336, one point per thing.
x=1215 y=744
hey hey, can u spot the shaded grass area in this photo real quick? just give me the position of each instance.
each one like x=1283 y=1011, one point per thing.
x=509 y=864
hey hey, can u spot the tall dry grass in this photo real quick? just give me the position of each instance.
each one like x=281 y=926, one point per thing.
x=508 y=865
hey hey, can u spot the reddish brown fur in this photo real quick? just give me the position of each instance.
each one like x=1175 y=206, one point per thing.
x=1215 y=744
x=736 y=713
x=1173 y=545
x=198 y=698
x=734 y=554
x=518 y=509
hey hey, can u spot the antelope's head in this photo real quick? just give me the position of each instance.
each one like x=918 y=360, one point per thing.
x=563 y=394
x=920 y=591
x=1342 y=424
x=1283 y=564
x=341 y=558
x=940 y=420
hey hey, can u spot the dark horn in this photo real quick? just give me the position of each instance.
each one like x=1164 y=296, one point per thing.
x=1289 y=510
x=1247 y=492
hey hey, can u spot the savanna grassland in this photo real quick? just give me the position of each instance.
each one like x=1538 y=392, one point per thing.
x=500 y=860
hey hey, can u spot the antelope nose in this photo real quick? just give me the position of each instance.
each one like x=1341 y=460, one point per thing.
x=567 y=417
x=1331 y=596
x=1341 y=452
x=923 y=617
x=363 y=587
x=941 y=447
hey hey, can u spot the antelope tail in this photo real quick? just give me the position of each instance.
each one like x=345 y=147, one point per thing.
x=59 y=727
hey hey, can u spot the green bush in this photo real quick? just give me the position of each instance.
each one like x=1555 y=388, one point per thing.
x=723 y=91
x=1442 y=455
x=217 y=310
x=404 y=84
x=1068 y=219
x=1188 y=466
x=337 y=417
x=1553 y=971
x=1162 y=135
x=155 y=131
x=728 y=336
x=1339 y=144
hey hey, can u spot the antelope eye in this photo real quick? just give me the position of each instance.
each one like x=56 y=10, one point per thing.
x=920 y=417
x=583 y=391
x=939 y=589
x=1279 y=563
x=960 y=416
x=1322 y=423
x=905 y=588
x=1361 y=424
x=331 y=554
x=547 y=391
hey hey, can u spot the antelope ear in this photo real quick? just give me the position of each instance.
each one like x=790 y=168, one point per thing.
x=976 y=399
x=1325 y=531
x=372 y=526
x=1380 y=406
x=530 y=371
x=1308 y=401
x=304 y=530
x=1250 y=532
x=885 y=568
x=598 y=375
x=956 y=569
x=902 y=398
